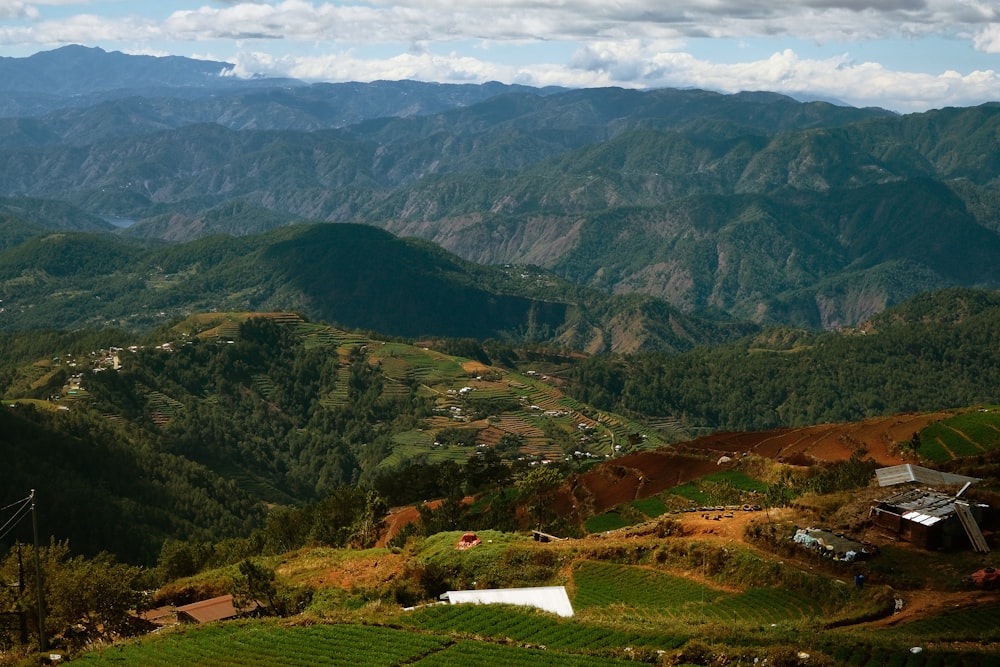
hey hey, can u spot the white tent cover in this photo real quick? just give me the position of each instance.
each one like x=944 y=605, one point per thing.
x=548 y=598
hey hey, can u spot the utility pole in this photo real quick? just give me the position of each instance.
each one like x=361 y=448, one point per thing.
x=43 y=642
x=22 y=617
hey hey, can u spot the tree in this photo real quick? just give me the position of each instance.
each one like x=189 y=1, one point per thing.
x=255 y=587
x=87 y=597
x=369 y=521
x=537 y=488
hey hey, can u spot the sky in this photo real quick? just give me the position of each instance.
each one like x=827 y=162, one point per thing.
x=903 y=55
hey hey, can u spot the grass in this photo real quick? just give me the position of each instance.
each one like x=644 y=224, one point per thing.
x=708 y=489
x=630 y=604
x=604 y=522
x=466 y=653
x=651 y=507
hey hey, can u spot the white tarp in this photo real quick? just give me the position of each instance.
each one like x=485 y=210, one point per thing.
x=548 y=598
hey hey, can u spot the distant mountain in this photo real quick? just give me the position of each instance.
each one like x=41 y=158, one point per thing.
x=754 y=205
x=78 y=95
x=79 y=70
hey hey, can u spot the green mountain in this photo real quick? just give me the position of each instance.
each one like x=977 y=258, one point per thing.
x=754 y=205
x=186 y=432
x=932 y=352
x=354 y=275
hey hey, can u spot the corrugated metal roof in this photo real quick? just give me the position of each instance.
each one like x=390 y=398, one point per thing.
x=924 y=519
x=214 y=609
x=923 y=505
x=547 y=598
x=908 y=472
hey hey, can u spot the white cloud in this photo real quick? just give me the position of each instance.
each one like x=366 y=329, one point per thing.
x=17 y=10
x=624 y=42
x=500 y=20
x=987 y=39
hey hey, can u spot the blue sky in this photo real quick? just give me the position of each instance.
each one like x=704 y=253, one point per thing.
x=905 y=55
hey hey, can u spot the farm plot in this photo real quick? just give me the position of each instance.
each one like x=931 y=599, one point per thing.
x=604 y=522
x=420 y=444
x=608 y=590
x=706 y=490
x=163 y=408
x=954 y=443
x=481 y=653
x=263 y=644
x=978 y=623
x=965 y=434
x=527 y=626
x=402 y=362
x=866 y=655
x=651 y=507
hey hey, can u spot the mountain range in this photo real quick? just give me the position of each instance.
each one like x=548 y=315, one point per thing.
x=753 y=206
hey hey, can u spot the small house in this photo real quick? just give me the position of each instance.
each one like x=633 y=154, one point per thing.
x=204 y=611
x=931 y=519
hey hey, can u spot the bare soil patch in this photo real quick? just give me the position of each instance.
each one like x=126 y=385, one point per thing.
x=880 y=436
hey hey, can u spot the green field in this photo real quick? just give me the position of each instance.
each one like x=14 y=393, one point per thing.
x=266 y=644
x=607 y=590
x=624 y=613
x=966 y=434
x=721 y=488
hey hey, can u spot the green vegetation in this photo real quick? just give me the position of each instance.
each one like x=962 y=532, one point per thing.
x=968 y=434
x=259 y=643
x=258 y=455
x=726 y=487
x=651 y=507
x=932 y=353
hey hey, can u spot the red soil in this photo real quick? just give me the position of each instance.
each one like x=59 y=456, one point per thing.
x=644 y=474
x=827 y=442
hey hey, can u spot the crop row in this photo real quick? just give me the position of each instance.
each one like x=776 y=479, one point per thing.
x=258 y=644
x=954 y=441
x=600 y=584
x=501 y=622
x=863 y=655
x=983 y=428
x=481 y=653
x=650 y=595
x=971 y=624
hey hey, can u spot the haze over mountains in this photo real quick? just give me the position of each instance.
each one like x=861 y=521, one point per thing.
x=752 y=206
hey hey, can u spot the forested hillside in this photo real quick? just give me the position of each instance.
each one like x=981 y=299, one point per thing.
x=184 y=434
x=932 y=352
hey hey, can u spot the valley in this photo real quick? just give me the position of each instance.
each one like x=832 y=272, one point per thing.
x=310 y=356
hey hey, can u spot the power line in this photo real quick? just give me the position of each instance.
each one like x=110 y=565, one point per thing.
x=22 y=500
x=19 y=514
x=28 y=505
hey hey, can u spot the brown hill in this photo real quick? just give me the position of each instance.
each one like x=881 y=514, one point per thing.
x=644 y=474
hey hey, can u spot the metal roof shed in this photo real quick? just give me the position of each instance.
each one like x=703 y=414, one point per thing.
x=908 y=472
x=930 y=519
x=204 y=611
